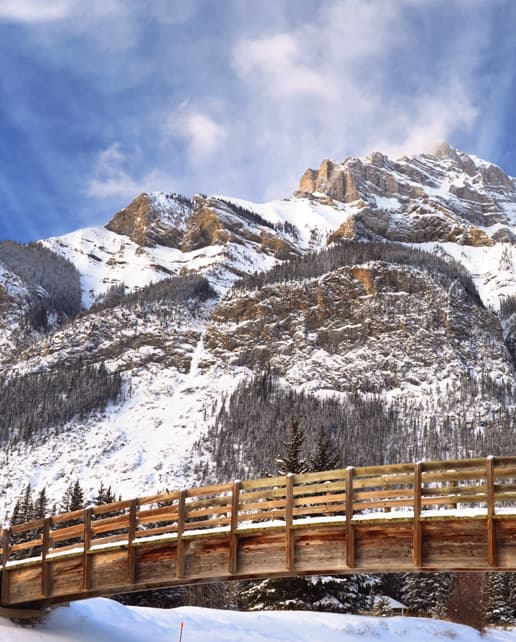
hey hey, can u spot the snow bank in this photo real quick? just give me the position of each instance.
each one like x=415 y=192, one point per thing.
x=102 y=620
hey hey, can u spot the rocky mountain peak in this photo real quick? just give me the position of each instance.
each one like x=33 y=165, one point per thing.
x=153 y=219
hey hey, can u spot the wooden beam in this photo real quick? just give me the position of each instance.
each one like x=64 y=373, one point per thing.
x=86 y=562
x=289 y=531
x=4 y=589
x=350 y=532
x=233 y=536
x=180 y=546
x=417 y=543
x=491 y=533
x=45 y=576
x=131 y=550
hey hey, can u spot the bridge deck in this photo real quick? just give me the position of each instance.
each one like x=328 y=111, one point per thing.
x=458 y=515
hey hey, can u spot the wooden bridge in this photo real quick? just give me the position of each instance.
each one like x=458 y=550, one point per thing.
x=455 y=515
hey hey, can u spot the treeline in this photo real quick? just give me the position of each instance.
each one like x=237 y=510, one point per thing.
x=246 y=214
x=33 y=405
x=42 y=269
x=356 y=252
x=178 y=289
x=251 y=425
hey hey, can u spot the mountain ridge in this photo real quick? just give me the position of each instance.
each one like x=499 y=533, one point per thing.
x=396 y=296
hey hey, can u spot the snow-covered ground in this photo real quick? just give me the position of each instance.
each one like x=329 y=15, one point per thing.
x=102 y=620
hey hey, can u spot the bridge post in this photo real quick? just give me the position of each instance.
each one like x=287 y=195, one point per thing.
x=4 y=588
x=86 y=562
x=350 y=532
x=233 y=537
x=45 y=578
x=289 y=512
x=180 y=547
x=491 y=533
x=417 y=543
x=131 y=551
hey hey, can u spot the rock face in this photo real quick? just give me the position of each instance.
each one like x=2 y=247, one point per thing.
x=407 y=334
x=153 y=220
x=444 y=196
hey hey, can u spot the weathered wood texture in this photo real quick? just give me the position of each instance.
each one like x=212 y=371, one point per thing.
x=458 y=515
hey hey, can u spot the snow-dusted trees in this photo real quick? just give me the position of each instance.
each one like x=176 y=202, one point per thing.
x=53 y=280
x=290 y=460
x=33 y=404
x=427 y=593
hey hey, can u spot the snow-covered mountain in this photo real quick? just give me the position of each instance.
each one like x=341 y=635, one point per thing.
x=362 y=321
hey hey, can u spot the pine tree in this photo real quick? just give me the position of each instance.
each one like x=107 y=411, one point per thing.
x=41 y=504
x=495 y=598
x=325 y=456
x=427 y=593
x=104 y=495
x=290 y=460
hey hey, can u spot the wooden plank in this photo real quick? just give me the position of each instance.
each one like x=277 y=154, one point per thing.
x=318 y=489
x=66 y=517
x=45 y=575
x=121 y=522
x=86 y=558
x=214 y=489
x=26 y=526
x=180 y=546
x=67 y=533
x=417 y=543
x=109 y=508
x=390 y=469
x=23 y=546
x=380 y=481
x=131 y=551
x=233 y=541
x=252 y=496
x=171 y=529
x=262 y=507
x=159 y=497
x=325 y=475
x=350 y=533
x=289 y=533
x=491 y=534
x=4 y=589
x=266 y=482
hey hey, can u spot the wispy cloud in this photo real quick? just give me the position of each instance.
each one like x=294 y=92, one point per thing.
x=35 y=10
x=202 y=133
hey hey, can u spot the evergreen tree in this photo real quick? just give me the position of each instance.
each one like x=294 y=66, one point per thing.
x=325 y=456
x=104 y=495
x=427 y=593
x=290 y=460
x=41 y=504
x=495 y=598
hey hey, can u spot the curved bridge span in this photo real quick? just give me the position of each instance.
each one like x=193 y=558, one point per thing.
x=455 y=515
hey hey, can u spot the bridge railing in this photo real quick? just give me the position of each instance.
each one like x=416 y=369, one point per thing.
x=483 y=487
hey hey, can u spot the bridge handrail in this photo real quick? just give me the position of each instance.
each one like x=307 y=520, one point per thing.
x=411 y=490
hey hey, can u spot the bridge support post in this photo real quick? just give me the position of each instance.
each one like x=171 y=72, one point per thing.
x=350 y=531
x=131 y=551
x=45 y=577
x=86 y=562
x=4 y=587
x=289 y=512
x=491 y=533
x=417 y=540
x=180 y=548
x=233 y=536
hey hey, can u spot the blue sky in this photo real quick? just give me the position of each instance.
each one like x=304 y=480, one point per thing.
x=103 y=99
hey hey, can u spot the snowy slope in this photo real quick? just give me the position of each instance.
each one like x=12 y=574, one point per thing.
x=101 y=620
x=179 y=368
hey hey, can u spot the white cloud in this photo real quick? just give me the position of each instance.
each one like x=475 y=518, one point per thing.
x=204 y=135
x=276 y=62
x=35 y=10
x=112 y=177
